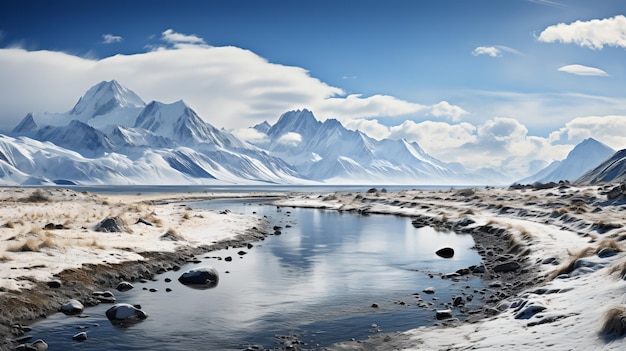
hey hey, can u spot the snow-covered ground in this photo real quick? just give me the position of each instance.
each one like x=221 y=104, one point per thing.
x=27 y=250
x=562 y=313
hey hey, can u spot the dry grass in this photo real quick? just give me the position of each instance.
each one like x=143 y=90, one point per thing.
x=5 y=257
x=9 y=224
x=609 y=243
x=28 y=245
x=614 y=322
x=37 y=196
x=567 y=268
x=186 y=215
x=619 y=267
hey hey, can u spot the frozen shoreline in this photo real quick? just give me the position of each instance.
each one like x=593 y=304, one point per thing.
x=540 y=227
x=563 y=231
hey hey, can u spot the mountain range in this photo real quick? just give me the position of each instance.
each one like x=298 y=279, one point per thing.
x=583 y=157
x=111 y=136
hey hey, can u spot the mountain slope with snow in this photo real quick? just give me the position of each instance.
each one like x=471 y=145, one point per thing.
x=112 y=137
x=327 y=151
x=584 y=157
x=612 y=169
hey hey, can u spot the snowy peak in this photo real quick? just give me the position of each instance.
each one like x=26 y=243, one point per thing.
x=612 y=169
x=298 y=121
x=585 y=156
x=105 y=97
x=28 y=124
x=178 y=122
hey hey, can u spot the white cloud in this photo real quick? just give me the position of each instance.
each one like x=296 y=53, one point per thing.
x=290 y=139
x=581 y=70
x=181 y=41
x=487 y=50
x=228 y=86
x=444 y=109
x=594 y=34
x=250 y=135
x=357 y=106
x=110 y=39
x=610 y=130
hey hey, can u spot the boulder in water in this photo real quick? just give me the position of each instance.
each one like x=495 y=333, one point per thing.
x=121 y=313
x=201 y=277
x=446 y=252
x=72 y=307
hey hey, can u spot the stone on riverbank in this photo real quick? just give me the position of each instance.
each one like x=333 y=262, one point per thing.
x=125 y=313
x=72 y=307
x=201 y=277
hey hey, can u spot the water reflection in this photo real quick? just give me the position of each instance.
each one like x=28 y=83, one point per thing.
x=318 y=279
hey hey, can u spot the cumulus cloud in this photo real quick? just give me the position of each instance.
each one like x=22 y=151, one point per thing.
x=290 y=139
x=581 y=70
x=487 y=50
x=594 y=34
x=110 y=39
x=250 y=135
x=610 y=130
x=444 y=109
x=355 y=106
x=181 y=41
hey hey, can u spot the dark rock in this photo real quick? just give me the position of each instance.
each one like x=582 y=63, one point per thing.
x=72 y=307
x=458 y=301
x=446 y=252
x=443 y=314
x=607 y=252
x=511 y=266
x=49 y=226
x=374 y=305
x=429 y=290
x=125 y=313
x=111 y=225
x=202 y=277
x=241 y=253
x=124 y=286
x=37 y=345
x=143 y=221
x=54 y=284
x=228 y=259
x=82 y=336
x=104 y=296
x=479 y=269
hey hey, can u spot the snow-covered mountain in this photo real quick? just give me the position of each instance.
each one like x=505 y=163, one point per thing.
x=328 y=151
x=583 y=157
x=612 y=169
x=112 y=137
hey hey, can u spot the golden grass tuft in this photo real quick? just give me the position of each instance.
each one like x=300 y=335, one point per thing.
x=564 y=269
x=614 y=322
x=5 y=257
x=28 y=245
x=619 y=267
x=609 y=243
x=186 y=215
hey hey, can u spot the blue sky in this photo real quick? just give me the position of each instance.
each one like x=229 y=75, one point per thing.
x=516 y=80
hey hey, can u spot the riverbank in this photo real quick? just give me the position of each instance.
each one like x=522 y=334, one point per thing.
x=535 y=233
x=49 y=237
x=569 y=238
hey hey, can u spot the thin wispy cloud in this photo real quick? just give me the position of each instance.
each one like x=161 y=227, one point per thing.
x=581 y=70
x=548 y=3
x=593 y=34
x=111 y=39
x=494 y=51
